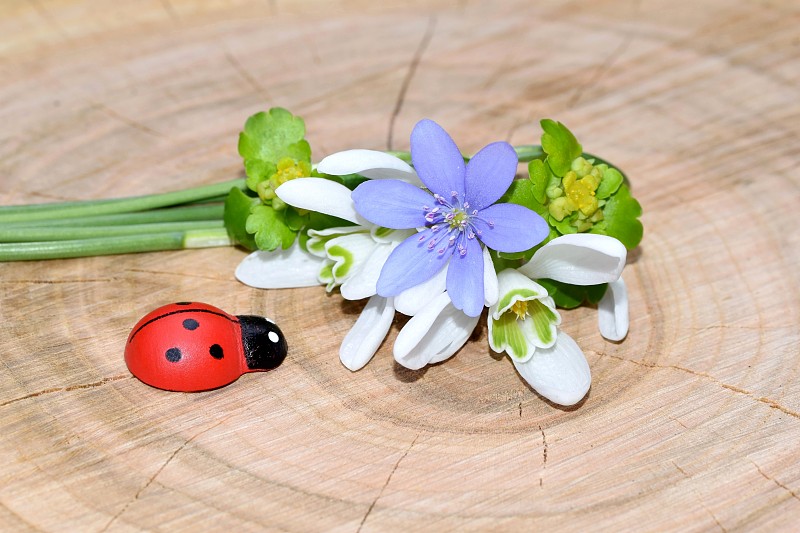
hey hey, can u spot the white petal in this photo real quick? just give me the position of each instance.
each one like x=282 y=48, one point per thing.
x=361 y=284
x=560 y=374
x=324 y=196
x=612 y=311
x=512 y=281
x=411 y=301
x=372 y=164
x=579 y=259
x=357 y=248
x=490 y=290
x=281 y=269
x=317 y=238
x=367 y=334
x=433 y=335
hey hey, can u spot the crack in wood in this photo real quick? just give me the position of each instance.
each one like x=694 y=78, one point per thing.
x=170 y=9
x=761 y=399
x=386 y=483
x=544 y=457
x=242 y=72
x=778 y=483
x=127 y=121
x=68 y=388
x=604 y=67
x=54 y=281
x=49 y=19
x=160 y=469
x=412 y=69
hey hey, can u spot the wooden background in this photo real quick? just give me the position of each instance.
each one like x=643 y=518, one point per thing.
x=692 y=423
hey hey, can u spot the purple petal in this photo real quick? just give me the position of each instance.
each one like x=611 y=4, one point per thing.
x=436 y=159
x=465 y=278
x=413 y=262
x=510 y=228
x=392 y=204
x=489 y=174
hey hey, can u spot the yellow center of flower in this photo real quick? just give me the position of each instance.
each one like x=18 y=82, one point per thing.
x=520 y=308
x=459 y=219
x=581 y=194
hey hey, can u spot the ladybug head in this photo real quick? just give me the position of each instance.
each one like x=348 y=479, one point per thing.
x=264 y=344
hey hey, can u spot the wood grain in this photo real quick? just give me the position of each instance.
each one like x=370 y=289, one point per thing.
x=692 y=422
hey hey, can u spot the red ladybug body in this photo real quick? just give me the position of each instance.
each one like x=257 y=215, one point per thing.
x=191 y=346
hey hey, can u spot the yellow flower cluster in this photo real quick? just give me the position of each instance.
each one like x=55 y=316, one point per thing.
x=287 y=169
x=577 y=193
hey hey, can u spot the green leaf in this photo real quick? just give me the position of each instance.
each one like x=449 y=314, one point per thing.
x=269 y=137
x=237 y=209
x=257 y=171
x=294 y=219
x=270 y=228
x=351 y=181
x=569 y=296
x=522 y=192
x=540 y=177
x=609 y=184
x=621 y=214
x=560 y=145
x=273 y=135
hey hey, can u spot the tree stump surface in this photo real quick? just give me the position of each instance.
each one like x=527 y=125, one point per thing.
x=692 y=423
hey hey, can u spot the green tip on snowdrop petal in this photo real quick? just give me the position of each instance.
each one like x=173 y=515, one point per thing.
x=524 y=318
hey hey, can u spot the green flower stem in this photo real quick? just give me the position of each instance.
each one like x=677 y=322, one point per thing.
x=57 y=211
x=176 y=240
x=42 y=233
x=155 y=216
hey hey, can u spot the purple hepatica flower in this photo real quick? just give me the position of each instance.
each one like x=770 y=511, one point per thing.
x=459 y=215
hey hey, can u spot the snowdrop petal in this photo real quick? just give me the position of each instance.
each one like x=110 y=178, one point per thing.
x=579 y=259
x=318 y=239
x=362 y=283
x=411 y=301
x=324 y=196
x=281 y=269
x=348 y=252
x=560 y=374
x=490 y=287
x=433 y=335
x=612 y=311
x=367 y=334
x=372 y=164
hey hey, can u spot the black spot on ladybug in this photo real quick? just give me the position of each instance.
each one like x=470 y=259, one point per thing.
x=183 y=303
x=191 y=324
x=173 y=355
x=216 y=351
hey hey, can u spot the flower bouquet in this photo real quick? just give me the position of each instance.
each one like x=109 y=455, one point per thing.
x=432 y=234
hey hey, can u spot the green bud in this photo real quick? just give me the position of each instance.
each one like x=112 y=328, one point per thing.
x=581 y=167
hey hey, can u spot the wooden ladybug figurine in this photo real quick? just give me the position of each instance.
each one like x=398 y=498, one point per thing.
x=191 y=346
